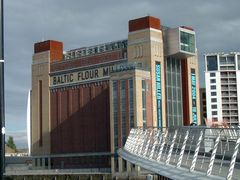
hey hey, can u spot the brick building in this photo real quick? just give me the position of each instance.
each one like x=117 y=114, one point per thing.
x=85 y=101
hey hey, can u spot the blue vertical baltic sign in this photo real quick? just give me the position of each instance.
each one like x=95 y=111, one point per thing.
x=159 y=94
x=194 y=96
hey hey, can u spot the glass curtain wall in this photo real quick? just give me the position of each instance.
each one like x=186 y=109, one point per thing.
x=115 y=115
x=187 y=42
x=174 y=92
x=131 y=108
x=123 y=109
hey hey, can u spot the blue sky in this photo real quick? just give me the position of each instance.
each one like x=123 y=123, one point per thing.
x=83 y=23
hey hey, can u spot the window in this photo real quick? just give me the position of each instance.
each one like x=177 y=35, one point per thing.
x=123 y=109
x=115 y=114
x=214 y=100
x=212 y=75
x=144 y=102
x=214 y=113
x=187 y=42
x=213 y=81
x=174 y=92
x=204 y=95
x=213 y=87
x=214 y=106
x=223 y=60
x=212 y=64
x=131 y=108
x=213 y=93
x=230 y=60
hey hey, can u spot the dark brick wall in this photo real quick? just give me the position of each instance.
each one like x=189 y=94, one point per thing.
x=88 y=60
x=80 y=119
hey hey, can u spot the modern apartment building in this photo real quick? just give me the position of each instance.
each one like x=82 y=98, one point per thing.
x=222 y=75
x=85 y=101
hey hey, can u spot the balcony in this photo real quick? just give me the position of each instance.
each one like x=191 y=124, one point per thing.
x=232 y=81
x=233 y=87
x=225 y=94
x=233 y=94
x=223 y=81
x=233 y=107
x=225 y=107
x=227 y=68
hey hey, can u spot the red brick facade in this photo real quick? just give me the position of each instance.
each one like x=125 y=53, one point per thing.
x=185 y=92
x=88 y=60
x=144 y=23
x=55 y=48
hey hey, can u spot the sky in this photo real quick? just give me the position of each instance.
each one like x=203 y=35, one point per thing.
x=80 y=23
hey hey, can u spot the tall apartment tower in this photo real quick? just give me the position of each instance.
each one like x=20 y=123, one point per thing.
x=222 y=76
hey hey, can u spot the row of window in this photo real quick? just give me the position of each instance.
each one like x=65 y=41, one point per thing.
x=122 y=109
x=213 y=87
x=226 y=63
x=174 y=92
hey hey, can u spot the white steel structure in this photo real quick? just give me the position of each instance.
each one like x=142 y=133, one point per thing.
x=185 y=153
x=222 y=79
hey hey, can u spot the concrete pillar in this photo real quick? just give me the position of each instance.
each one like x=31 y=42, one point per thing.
x=91 y=178
x=43 y=163
x=137 y=169
x=129 y=167
x=38 y=163
x=120 y=165
x=112 y=166
x=49 y=163
x=33 y=163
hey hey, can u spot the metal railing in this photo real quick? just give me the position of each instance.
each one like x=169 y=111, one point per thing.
x=207 y=151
